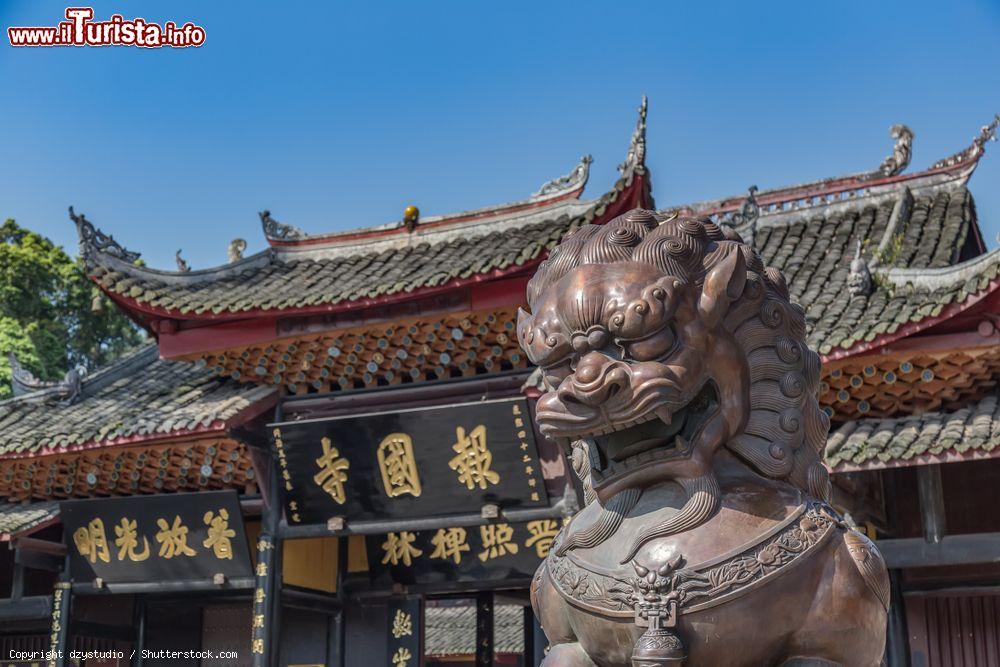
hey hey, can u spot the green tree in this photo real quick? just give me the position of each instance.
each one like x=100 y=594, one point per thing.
x=51 y=316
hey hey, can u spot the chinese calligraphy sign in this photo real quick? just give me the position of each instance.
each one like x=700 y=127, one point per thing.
x=474 y=460
x=490 y=552
x=404 y=632
x=398 y=466
x=410 y=463
x=332 y=472
x=156 y=538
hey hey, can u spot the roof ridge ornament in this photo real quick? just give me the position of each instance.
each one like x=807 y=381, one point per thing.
x=748 y=214
x=24 y=382
x=182 y=265
x=93 y=241
x=902 y=151
x=235 y=250
x=571 y=181
x=859 y=279
x=976 y=150
x=635 y=160
x=278 y=231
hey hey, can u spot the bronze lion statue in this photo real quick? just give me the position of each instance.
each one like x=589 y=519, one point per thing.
x=676 y=370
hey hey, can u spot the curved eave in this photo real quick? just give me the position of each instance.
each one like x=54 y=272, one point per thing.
x=628 y=192
x=957 y=168
x=959 y=275
x=153 y=313
x=219 y=428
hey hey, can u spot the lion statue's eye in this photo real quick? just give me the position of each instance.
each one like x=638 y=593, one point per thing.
x=656 y=346
x=555 y=374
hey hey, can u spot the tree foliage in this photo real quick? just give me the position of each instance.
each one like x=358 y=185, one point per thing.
x=51 y=316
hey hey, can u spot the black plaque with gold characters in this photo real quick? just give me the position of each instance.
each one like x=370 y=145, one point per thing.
x=183 y=536
x=405 y=631
x=495 y=551
x=411 y=463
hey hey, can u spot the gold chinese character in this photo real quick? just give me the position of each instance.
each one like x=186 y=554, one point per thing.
x=542 y=534
x=92 y=542
x=173 y=538
x=474 y=458
x=449 y=543
x=332 y=475
x=401 y=657
x=496 y=541
x=398 y=466
x=219 y=534
x=261 y=569
x=257 y=646
x=128 y=540
x=258 y=620
x=402 y=624
x=258 y=595
x=400 y=548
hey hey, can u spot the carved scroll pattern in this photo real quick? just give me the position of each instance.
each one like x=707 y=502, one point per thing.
x=616 y=596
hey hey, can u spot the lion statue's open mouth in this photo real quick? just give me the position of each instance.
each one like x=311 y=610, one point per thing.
x=661 y=433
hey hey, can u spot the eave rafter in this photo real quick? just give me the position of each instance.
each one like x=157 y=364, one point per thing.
x=195 y=464
x=404 y=351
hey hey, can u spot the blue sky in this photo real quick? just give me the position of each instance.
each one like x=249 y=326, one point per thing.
x=338 y=115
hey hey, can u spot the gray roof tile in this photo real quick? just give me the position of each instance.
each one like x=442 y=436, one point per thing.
x=139 y=395
x=875 y=442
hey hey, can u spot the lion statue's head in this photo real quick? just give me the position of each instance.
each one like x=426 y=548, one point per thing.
x=662 y=340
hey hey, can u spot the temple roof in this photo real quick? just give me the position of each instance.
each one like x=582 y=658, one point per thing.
x=302 y=272
x=933 y=437
x=912 y=245
x=138 y=398
x=870 y=255
x=18 y=518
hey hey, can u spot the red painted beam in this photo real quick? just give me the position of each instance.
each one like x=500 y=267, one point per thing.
x=217 y=336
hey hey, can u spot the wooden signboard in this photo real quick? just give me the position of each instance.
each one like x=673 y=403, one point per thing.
x=405 y=631
x=493 y=552
x=182 y=536
x=411 y=463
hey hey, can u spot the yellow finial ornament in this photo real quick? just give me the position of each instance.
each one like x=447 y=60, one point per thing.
x=410 y=216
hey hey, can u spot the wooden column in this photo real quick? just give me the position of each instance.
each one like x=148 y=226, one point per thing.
x=897 y=646
x=338 y=621
x=266 y=624
x=484 y=629
x=931 y=502
x=61 y=599
x=139 y=621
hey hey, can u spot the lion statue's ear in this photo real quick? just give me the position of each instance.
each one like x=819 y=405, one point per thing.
x=723 y=284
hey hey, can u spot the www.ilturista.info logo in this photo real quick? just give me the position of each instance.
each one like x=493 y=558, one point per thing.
x=80 y=30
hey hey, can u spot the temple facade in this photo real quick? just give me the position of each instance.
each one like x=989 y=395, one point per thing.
x=327 y=455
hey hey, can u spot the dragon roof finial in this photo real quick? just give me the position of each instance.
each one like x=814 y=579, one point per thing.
x=94 y=241
x=635 y=160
